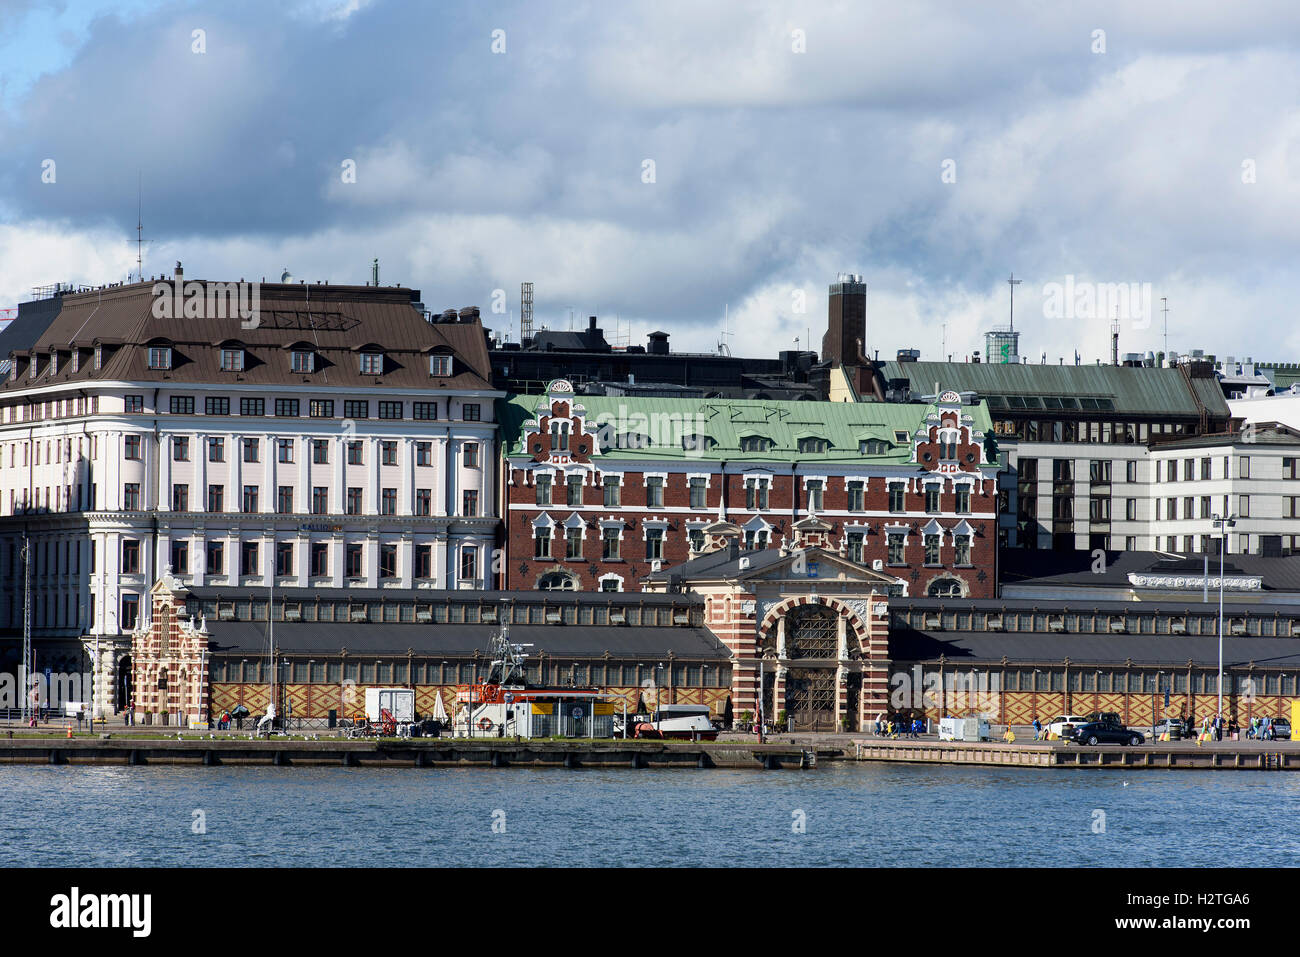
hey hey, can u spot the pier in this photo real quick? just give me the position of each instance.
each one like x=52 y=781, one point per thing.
x=1221 y=756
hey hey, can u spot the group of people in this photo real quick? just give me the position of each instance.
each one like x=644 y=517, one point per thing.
x=1261 y=729
x=889 y=726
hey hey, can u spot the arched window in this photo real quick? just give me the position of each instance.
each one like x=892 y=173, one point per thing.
x=557 y=581
x=944 y=588
x=812 y=631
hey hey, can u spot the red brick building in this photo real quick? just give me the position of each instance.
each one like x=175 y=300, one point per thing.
x=600 y=492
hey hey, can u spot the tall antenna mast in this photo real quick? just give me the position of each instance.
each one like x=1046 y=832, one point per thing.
x=525 y=312
x=1164 y=308
x=1013 y=282
x=139 y=227
x=1114 y=339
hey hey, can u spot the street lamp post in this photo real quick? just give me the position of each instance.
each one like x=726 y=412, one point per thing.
x=1223 y=523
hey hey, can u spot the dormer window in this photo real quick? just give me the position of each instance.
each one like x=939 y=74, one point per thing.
x=372 y=363
x=54 y=361
x=232 y=360
x=302 y=361
x=873 y=447
x=99 y=358
x=440 y=365
x=900 y=437
x=813 y=445
x=755 y=443
x=34 y=368
x=698 y=443
x=160 y=357
x=76 y=359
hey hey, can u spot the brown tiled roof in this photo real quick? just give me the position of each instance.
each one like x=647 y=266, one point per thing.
x=334 y=320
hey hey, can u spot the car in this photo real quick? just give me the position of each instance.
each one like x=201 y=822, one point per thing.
x=1282 y=729
x=1104 y=732
x=1062 y=726
x=1173 y=725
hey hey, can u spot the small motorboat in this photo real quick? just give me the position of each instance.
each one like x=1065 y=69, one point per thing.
x=689 y=722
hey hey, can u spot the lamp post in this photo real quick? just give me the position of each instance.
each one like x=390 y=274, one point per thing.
x=1223 y=523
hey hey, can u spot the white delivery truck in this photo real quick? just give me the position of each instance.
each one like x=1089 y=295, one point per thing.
x=398 y=702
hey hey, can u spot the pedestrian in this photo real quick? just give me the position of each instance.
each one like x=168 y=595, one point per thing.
x=1038 y=728
x=880 y=723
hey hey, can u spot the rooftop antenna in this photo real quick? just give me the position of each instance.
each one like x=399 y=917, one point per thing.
x=1114 y=339
x=525 y=312
x=374 y=272
x=139 y=228
x=1013 y=282
x=723 y=348
x=1164 y=308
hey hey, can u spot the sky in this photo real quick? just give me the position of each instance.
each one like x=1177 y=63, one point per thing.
x=705 y=168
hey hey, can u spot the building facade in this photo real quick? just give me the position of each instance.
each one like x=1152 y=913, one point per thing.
x=600 y=492
x=335 y=437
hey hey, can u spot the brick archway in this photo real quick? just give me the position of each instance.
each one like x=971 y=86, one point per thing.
x=857 y=626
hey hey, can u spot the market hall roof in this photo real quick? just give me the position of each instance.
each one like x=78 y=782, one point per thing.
x=667 y=421
x=1101 y=390
x=1081 y=569
x=334 y=320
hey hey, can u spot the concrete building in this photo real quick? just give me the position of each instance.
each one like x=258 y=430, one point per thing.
x=334 y=437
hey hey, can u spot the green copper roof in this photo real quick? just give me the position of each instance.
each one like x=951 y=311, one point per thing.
x=725 y=421
x=1113 y=390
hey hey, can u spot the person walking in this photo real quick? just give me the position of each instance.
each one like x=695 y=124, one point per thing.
x=1038 y=728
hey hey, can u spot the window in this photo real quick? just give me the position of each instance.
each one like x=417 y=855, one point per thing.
x=232 y=360
x=814 y=491
x=320 y=500
x=320 y=452
x=216 y=498
x=470 y=455
x=895 y=547
x=1205 y=467
x=612 y=491
x=248 y=558
x=423 y=561
x=249 y=503
x=424 y=410
x=1244 y=467
x=160 y=357
x=698 y=443
x=469 y=563
x=372 y=363
x=284 y=450
x=756 y=538
x=1099 y=472
x=1130 y=509
x=440 y=365
x=181 y=558
x=130 y=556
x=356 y=409
x=1171 y=510
x=388 y=502
x=182 y=405
x=1099 y=508
x=963 y=499
x=216 y=450
x=180 y=448
x=1243 y=507
x=423 y=453
x=699 y=493
x=388 y=452
x=932 y=549
x=131 y=496
x=284 y=500
x=1130 y=471
x=961 y=549
x=180 y=498
x=895 y=497
x=216 y=564
x=252 y=407
x=320 y=559
x=855 y=542
x=130 y=610
x=355 y=454
x=390 y=410
x=756 y=493
x=696 y=538
x=251 y=450
x=541 y=543
x=609 y=544
x=283 y=559
x=216 y=405
x=387 y=561
x=321 y=408
x=302 y=361
x=131 y=448
x=573 y=488
x=133 y=403
x=573 y=544
x=654 y=544
x=542 y=490
x=354 y=501
x=932 y=498
x=423 y=501
x=469 y=502
x=471 y=412
x=755 y=443
x=286 y=407
x=352 y=561
x=813 y=445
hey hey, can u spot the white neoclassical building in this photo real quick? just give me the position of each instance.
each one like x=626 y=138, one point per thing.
x=336 y=438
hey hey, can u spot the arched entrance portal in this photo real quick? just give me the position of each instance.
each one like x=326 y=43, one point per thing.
x=811 y=635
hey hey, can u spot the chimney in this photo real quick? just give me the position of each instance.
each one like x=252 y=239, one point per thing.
x=591 y=323
x=180 y=273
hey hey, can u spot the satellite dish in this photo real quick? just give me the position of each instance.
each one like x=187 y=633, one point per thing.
x=285 y=276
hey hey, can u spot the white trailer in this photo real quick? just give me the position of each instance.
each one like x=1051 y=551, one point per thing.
x=398 y=702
